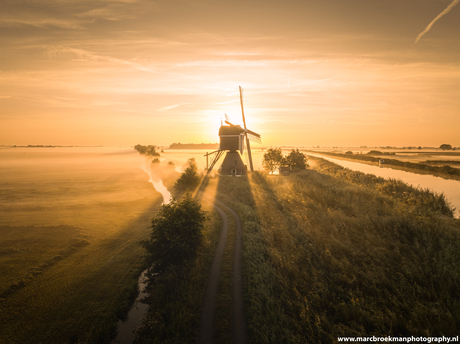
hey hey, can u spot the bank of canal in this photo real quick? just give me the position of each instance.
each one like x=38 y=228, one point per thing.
x=450 y=188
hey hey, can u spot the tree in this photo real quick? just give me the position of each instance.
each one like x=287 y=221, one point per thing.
x=177 y=232
x=297 y=160
x=190 y=179
x=273 y=159
x=147 y=150
x=445 y=146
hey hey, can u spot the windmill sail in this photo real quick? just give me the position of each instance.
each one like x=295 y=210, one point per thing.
x=246 y=131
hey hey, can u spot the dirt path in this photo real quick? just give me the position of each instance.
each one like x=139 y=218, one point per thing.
x=209 y=305
x=238 y=317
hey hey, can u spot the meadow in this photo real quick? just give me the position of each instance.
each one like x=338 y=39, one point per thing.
x=328 y=252
x=70 y=225
x=350 y=254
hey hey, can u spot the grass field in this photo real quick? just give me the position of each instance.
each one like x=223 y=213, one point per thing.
x=71 y=222
x=327 y=252
x=332 y=252
x=357 y=255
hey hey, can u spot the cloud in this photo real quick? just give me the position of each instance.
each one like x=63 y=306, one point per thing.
x=63 y=24
x=87 y=55
x=166 y=108
x=229 y=101
x=105 y=13
x=428 y=28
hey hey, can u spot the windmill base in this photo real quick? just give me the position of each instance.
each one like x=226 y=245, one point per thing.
x=233 y=165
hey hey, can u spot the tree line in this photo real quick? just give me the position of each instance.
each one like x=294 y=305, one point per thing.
x=274 y=159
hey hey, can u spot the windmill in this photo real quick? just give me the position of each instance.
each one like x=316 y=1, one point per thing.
x=232 y=139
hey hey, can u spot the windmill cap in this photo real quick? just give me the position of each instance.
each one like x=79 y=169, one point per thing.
x=230 y=130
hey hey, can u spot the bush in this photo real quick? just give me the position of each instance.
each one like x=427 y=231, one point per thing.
x=272 y=159
x=190 y=179
x=176 y=234
x=375 y=152
x=297 y=160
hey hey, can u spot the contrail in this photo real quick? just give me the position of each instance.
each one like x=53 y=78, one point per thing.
x=447 y=10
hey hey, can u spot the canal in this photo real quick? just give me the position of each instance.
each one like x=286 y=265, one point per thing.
x=126 y=329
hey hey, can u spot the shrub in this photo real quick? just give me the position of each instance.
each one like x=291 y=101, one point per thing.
x=190 y=179
x=297 y=160
x=176 y=234
x=272 y=159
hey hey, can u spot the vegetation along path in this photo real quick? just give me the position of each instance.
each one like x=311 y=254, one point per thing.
x=239 y=333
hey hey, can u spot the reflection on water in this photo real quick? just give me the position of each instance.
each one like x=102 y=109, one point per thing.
x=161 y=189
x=126 y=328
x=450 y=188
x=156 y=181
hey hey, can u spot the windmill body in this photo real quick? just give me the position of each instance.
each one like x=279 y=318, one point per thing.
x=232 y=142
x=231 y=138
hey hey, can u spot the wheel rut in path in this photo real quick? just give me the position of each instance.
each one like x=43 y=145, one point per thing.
x=239 y=334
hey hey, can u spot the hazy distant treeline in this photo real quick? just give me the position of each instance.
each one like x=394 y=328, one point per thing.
x=194 y=146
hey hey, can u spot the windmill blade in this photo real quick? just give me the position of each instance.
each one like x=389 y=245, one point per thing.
x=253 y=136
x=255 y=139
x=253 y=133
x=246 y=131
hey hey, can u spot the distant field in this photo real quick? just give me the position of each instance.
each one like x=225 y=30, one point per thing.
x=435 y=157
x=441 y=164
x=70 y=224
x=440 y=158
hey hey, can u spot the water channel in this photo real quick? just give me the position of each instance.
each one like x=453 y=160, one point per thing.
x=450 y=188
x=125 y=329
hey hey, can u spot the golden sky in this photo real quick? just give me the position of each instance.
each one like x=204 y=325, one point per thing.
x=328 y=73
